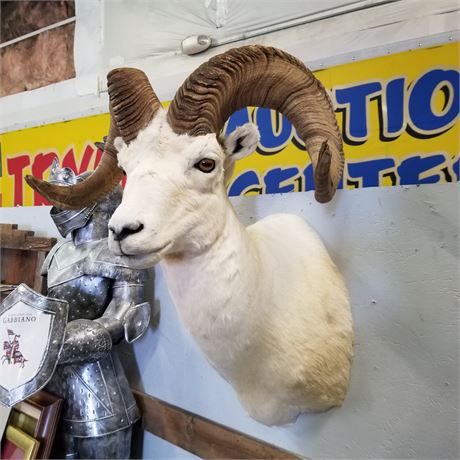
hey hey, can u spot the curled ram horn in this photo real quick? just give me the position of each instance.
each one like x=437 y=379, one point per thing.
x=264 y=77
x=133 y=104
x=246 y=76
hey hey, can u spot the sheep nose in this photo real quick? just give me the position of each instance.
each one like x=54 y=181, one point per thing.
x=127 y=230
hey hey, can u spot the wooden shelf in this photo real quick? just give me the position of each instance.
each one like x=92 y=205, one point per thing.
x=22 y=256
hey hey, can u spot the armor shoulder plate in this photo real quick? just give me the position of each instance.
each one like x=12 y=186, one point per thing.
x=102 y=262
x=68 y=261
x=50 y=256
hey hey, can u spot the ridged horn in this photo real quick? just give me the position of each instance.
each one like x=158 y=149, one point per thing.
x=264 y=77
x=133 y=104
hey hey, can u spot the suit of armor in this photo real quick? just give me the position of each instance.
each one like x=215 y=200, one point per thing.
x=105 y=306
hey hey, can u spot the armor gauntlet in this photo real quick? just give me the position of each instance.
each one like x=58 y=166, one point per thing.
x=85 y=340
x=130 y=326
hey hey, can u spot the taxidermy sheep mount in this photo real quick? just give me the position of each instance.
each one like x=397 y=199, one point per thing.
x=265 y=303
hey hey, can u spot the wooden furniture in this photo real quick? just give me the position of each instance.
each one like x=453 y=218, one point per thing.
x=38 y=416
x=200 y=436
x=22 y=256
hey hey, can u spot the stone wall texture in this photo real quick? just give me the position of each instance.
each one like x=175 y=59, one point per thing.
x=39 y=60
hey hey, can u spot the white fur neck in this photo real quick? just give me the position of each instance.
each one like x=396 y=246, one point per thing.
x=211 y=290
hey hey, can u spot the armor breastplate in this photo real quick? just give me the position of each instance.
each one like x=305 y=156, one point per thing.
x=87 y=295
x=97 y=397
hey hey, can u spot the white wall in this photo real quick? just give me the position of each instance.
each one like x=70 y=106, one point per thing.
x=398 y=249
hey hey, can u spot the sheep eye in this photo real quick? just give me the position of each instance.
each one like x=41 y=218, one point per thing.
x=206 y=165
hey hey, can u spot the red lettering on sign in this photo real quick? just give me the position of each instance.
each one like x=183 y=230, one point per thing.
x=15 y=167
x=69 y=160
x=41 y=163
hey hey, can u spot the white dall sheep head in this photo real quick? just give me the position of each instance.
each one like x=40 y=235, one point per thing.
x=161 y=151
x=175 y=197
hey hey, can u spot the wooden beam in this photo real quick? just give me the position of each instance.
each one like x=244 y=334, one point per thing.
x=201 y=436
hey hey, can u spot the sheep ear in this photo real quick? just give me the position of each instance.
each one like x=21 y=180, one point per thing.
x=242 y=142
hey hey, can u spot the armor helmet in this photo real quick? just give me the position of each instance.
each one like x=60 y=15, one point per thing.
x=68 y=220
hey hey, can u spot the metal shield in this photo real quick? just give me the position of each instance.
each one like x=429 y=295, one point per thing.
x=32 y=329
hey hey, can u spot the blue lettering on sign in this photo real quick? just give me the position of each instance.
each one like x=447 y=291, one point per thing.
x=392 y=124
x=275 y=177
x=403 y=107
x=360 y=174
x=369 y=171
x=248 y=181
x=424 y=121
x=399 y=109
x=353 y=101
x=309 y=180
x=410 y=169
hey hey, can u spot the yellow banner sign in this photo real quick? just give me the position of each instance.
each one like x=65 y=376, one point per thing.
x=398 y=115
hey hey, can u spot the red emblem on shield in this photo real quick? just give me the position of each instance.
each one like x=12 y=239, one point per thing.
x=11 y=347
